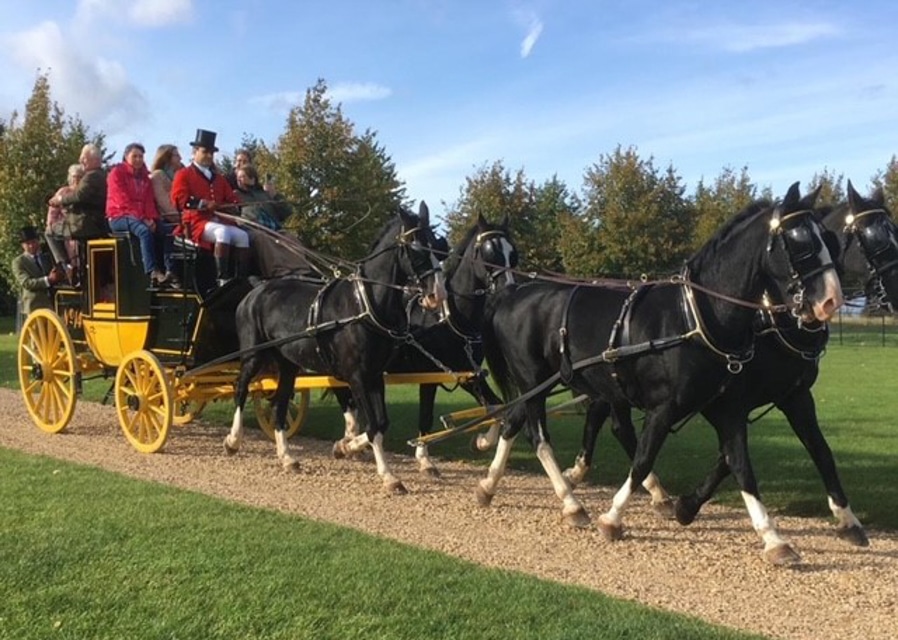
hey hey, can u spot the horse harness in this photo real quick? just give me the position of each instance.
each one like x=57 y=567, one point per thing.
x=876 y=243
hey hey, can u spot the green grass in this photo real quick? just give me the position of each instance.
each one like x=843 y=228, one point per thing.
x=90 y=554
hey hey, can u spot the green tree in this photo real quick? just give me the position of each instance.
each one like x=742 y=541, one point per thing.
x=832 y=191
x=888 y=180
x=638 y=216
x=533 y=211
x=342 y=185
x=714 y=205
x=36 y=149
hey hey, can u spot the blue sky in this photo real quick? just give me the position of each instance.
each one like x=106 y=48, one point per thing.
x=784 y=88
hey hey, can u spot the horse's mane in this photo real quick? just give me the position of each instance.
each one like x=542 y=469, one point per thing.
x=732 y=226
x=455 y=255
x=389 y=230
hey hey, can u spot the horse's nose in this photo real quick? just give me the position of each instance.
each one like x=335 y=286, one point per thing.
x=832 y=300
x=436 y=297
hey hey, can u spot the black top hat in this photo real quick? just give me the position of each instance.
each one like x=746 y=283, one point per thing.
x=28 y=233
x=205 y=139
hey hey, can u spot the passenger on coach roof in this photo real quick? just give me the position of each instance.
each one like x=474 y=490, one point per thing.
x=199 y=191
x=242 y=158
x=131 y=208
x=86 y=205
x=263 y=206
x=166 y=163
x=65 y=251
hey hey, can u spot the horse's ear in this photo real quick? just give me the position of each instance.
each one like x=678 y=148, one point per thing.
x=504 y=223
x=481 y=222
x=810 y=198
x=793 y=196
x=878 y=197
x=854 y=198
x=424 y=214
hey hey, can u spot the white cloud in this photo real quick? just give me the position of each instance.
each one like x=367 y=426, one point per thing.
x=534 y=26
x=97 y=89
x=159 y=13
x=140 y=13
x=744 y=38
x=283 y=101
x=358 y=92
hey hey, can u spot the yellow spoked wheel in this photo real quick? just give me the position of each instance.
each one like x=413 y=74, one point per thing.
x=296 y=412
x=143 y=401
x=47 y=370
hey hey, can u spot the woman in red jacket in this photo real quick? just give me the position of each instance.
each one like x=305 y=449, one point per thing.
x=198 y=191
x=131 y=207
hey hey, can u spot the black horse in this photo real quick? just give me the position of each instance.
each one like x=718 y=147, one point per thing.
x=346 y=328
x=786 y=360
x=785 y=366
x=671 y=346
x=448 y=339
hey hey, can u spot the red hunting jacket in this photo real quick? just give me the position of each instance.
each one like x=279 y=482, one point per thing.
x=188 y=188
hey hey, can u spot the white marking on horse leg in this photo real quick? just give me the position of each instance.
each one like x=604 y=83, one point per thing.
x=423 y=457
x=575 y=475
x=653 y=486
x=844 y=515
x=614 y=515
x=497 y=466
x=380 y=460
x=283 y=450
x=562 y=489
x=351 y=424
x=358 y=443
x=235 y=437
x=762 y=522
x=488 y=440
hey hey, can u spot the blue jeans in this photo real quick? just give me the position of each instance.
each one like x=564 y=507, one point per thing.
x=150 y=241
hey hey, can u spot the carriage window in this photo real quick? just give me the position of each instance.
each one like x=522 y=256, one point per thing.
x=102 y=275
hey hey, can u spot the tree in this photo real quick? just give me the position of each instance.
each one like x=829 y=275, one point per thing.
x=533 y=211
x=35 y=152
x=832 y=192
x=888 y=180
x=730 y=193
x=343 y=186
x=635 y=220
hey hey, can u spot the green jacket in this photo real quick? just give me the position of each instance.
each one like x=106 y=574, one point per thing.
x=32 y=281
x=86 y=215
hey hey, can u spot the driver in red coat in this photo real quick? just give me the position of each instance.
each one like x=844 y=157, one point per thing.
x=198 y=191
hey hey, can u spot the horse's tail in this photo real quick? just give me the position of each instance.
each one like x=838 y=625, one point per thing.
x=496 y=361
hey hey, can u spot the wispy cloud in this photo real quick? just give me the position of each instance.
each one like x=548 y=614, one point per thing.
x=740 y=38
x=283 y=101
x=358 y=92
x=534 y=27
x=96 y=88
x=139 y=13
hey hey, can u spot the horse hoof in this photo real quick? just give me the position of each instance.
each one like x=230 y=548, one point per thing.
x=683 y=512
x=573 y=478
x=396 y=488
x=480 y=444
x=781 y=555
x=611 y=532
x=665 y=509
x=484 y=499
x=854 y=535
x=431 y=472
x=339 y=450
x=290 y=465
x=228 y=448
x=577 y=519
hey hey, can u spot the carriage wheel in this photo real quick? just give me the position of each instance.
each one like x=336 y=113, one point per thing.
x=143 y=401
x=186 y=411
x=296 y=413
x=47 y=370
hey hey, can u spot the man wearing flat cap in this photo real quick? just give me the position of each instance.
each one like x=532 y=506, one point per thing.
x=199 y=191
x=34 y=273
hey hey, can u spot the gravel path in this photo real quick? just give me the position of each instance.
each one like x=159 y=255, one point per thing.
x=712 y=569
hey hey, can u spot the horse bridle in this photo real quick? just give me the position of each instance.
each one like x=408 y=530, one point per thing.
x=801 y=249
x=877 y=242
x=493 y=271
